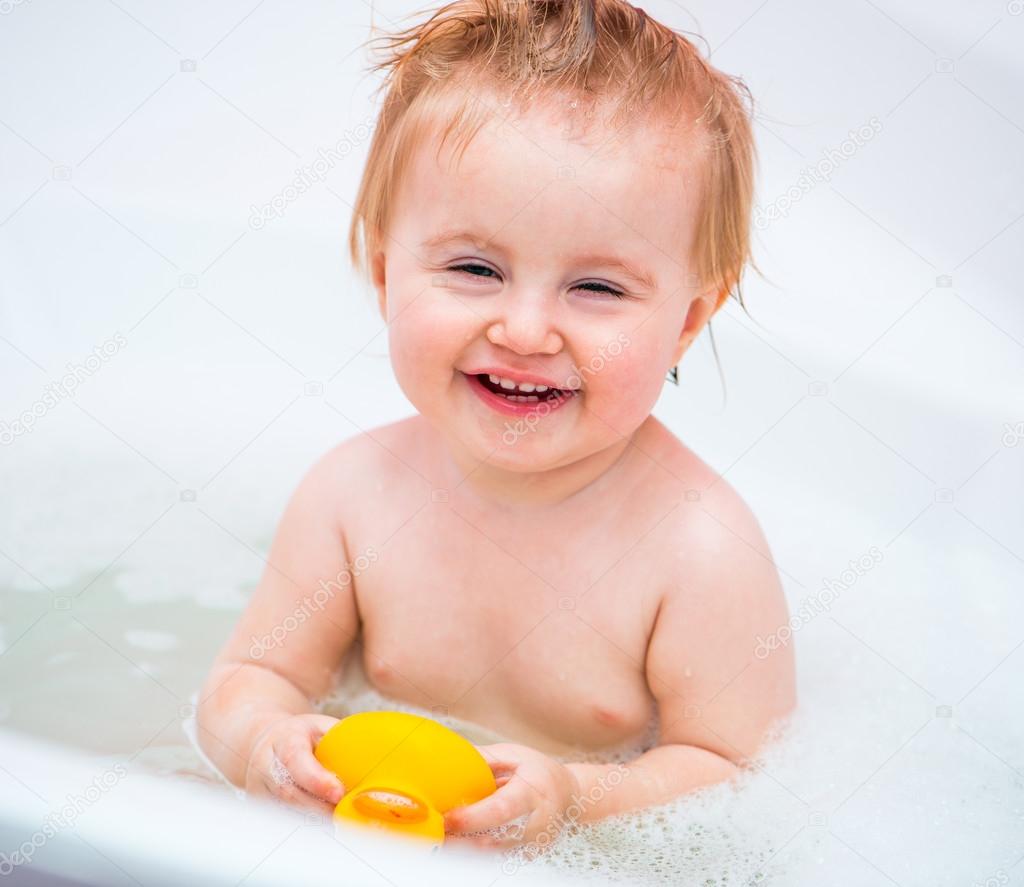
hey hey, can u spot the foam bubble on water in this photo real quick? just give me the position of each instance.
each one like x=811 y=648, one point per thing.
x=717 y=836
x=678 y=843
x=862 y=779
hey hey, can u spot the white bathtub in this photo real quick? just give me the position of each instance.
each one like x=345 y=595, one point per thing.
x=124 y=827
x=877 y=402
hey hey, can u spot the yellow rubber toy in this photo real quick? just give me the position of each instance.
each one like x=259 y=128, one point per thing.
x=402 y=772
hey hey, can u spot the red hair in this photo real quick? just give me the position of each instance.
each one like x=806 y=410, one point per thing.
x=593 y=51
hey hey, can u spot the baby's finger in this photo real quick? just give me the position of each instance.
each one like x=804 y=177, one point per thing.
x=320 y=724
x=503 y=806
x=500 y=754
x=523 y=835
x=302 y=766
x=293 y=796
x=503 y=763
x=283 y=788
x=540 y=821
x=505 y=837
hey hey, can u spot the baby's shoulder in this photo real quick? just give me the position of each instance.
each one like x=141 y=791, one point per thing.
x=688 y=476
x=368 y=465
x=712 y=531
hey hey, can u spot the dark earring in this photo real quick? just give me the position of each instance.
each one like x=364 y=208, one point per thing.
x=673 y=375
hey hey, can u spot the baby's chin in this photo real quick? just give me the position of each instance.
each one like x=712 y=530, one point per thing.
x=532 y=459
x=540 y=452
x=480 y=447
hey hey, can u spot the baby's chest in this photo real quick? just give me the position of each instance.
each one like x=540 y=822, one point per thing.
x=528 y=644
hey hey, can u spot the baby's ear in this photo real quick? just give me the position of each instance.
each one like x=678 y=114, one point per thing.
x=377 y=276
x=697 y=315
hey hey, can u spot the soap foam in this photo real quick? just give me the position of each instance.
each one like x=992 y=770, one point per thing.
x=701 y=839
x=807 y=810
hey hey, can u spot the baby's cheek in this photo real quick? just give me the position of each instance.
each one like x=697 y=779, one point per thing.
x=626 y=389
x=430 y=317
x=425 y=342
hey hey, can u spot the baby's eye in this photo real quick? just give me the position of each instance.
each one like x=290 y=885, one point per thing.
x=600 y=288
x=590 y=286
x=469 y=265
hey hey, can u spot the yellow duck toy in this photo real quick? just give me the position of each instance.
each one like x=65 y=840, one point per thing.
x=402 y=772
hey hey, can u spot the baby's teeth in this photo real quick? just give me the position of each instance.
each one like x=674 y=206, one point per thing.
x=510 y=385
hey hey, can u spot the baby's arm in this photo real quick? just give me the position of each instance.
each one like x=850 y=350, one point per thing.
x=285 y=651
x=715 y=696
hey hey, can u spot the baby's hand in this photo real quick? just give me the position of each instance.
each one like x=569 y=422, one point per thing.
x=529 y=784
x=282 y=764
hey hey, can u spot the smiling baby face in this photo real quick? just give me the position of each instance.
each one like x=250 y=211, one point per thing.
x=557 y=262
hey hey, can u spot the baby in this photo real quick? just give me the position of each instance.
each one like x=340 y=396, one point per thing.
x=556 y=201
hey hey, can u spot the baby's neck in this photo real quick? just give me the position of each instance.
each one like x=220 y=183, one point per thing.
x=498 y=487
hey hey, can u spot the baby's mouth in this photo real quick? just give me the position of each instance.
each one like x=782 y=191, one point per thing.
x=520 y=395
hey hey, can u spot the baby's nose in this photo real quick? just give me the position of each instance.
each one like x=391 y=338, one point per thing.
x=526 y=326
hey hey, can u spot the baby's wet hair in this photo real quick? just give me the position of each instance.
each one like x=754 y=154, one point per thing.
x=471 y=61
